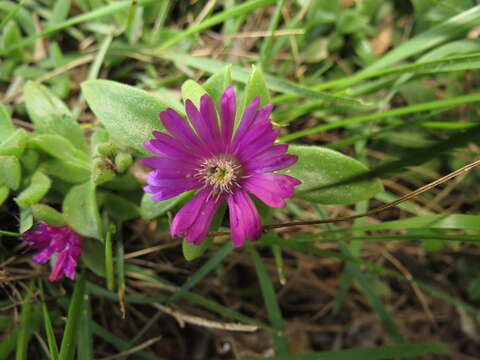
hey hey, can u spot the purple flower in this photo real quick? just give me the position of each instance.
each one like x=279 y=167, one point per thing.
x=55 y=239
x=223 y=163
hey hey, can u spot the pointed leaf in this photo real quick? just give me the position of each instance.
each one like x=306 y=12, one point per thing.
x=129 y=114
x=216 y=84
x=10 y=171
x=48 y=214
x=330 y=177
x=39 y=186
x=6 y=125
x=256 y=86
x=193 y=91
x=15 y=143
x=81 y=212
x=150 y=209
x=51 y=116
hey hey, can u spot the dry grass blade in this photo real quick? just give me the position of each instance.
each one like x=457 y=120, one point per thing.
x=183 y=318
x=376 y=210
x=134 y=349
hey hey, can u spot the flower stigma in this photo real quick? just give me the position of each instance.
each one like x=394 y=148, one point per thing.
x=222 y=173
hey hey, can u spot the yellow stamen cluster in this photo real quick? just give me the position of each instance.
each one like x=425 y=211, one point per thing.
x=221 y=173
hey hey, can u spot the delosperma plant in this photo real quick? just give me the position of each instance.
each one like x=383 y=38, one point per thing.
x=144 y=172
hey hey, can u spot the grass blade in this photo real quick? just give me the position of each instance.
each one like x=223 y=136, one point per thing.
x=432 y=105
x=271 y=303
x=266 y=50
x=216 y=19
x=109 y=259
x=95 y=14
x=85 y=338
x=211 y=264
x=75 y=312
x=25 y=330
x=11 y=14
x=376 y=353
x=241 y=74
x=52 y=342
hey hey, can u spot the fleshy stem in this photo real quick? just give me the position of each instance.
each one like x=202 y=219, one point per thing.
x=372 y=211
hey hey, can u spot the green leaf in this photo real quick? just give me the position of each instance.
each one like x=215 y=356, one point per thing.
x=10 y=171
x=81 y=212
x=216 y=84
x=26 y=219
x=61 y=148
x=4 y=192
x=120 y=208
x=191 y=251
x=48 y=214
x=15 y=143
x=93 y=256
x=193 y=91
x=129 y=114
x=66 y=171
x=60 y=12
x=51 y=116
x=6 y=125
x=75 y=312
x=256 y=86
x=29 y=160
x=329 y=177
x=150 y=209
x=39 y=186
x=11 y=36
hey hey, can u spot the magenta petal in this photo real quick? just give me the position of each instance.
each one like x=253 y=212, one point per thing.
x=168 y=168
x=58 y=268
x=194 y=219
x=228 y=105
x=209 y=116
x=52 y=239
x=43 y=256
x=252 y=120
x=277 y=163
x=200 y=125
x=159 y=194
x=70 y=267
x=247 y=152
x=168 y=191
x=164 y=144
x=180 y=129
x=272 y=189
x=244 y=218
x=156 y=178
x=273 y=151
x=248 y=118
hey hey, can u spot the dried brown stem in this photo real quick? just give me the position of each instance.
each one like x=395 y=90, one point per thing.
x=372 y=211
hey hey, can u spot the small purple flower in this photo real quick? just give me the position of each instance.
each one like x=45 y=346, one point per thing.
x=55 y=239
x=223 y=163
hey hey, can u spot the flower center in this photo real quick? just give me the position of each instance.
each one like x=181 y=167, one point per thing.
x=221 y=173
